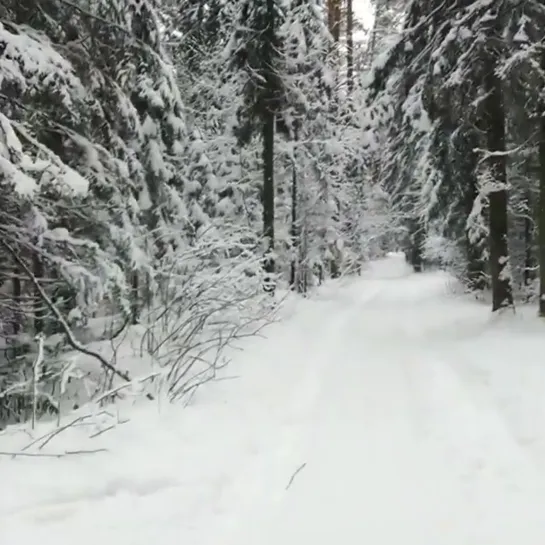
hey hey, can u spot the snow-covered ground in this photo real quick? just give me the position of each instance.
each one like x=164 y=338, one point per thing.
x=386 y=410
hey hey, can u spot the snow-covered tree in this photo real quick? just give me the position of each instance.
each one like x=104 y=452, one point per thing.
x=449 y=76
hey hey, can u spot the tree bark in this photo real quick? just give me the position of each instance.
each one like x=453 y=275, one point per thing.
x=416 y=241
x=268 y=190
x=135 y=298
x=350 y=44
x=17 y=303
x=529 y=258
x=494 y=121
x=295 y=242
x=268 y=120
x=39 y=310
x=334 y=19
x=541 y=217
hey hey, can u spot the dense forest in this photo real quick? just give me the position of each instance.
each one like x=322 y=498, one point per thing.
x=173 y=165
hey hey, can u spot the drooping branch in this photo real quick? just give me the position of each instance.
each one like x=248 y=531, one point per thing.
x=415 y=26
x=72 y=341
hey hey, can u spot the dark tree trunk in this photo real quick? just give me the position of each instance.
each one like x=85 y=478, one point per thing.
x=294 y=237
x=494 y=121
x=135 y=298
x=295 y=280
x=541 y=212
x=39 y=309
x=268 y=190
x=529 y=258
x=416 y=240
x=17 y=327
x=350 y=44
x=268 y=120
x=475 y=270
x=17 y=300
x=334 y=19
x=334 y=269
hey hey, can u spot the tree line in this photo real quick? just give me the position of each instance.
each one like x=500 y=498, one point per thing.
x=171 y=158
x=459 y=99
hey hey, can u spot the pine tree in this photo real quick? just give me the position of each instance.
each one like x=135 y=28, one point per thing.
x=256 y=51
x=451 y=80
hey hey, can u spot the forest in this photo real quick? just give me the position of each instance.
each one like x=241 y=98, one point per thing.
x=170 y=168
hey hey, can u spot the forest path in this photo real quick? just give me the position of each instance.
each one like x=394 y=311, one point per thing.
x=398 y=448
x=365 y=416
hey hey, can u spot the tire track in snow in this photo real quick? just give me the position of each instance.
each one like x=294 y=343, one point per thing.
x=398 y=451
x=480 y=392
x=318 y=348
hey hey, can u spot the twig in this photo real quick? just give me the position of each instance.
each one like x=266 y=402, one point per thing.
x=30 y=454
x=121 y=329
x=50 y=435
x=76 y=452
x=111 y=392
x=52 y=455
x=117 y=389
x=100 y=432
x=300 y=468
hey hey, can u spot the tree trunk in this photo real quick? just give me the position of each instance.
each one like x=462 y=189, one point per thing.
x=39 y=310
x=350 y=44
x=135 y=298
x=294 y=241
x=268 y=192
x=541 y=218
x=416 y=241
x=529 y=259
x=268 y=120
x=295 y=276
x=334 y=19
x=17 y=303
x=494 y=121
x=17 y=312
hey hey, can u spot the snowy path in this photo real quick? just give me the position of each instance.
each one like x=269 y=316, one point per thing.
x=366 y=417
x=398 y=450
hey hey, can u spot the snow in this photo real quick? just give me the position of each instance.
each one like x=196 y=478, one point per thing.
x=385 y=410
x=10 y=149
x=28 y=57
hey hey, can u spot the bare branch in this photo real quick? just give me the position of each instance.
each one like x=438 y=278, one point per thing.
x=72 y=341
x=52 y=455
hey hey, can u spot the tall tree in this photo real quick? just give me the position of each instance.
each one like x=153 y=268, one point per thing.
x=452 y=87
x=257 y=50
x=494 y=127
x=350 y=44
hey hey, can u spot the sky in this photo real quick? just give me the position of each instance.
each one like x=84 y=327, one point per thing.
x=364 y=12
